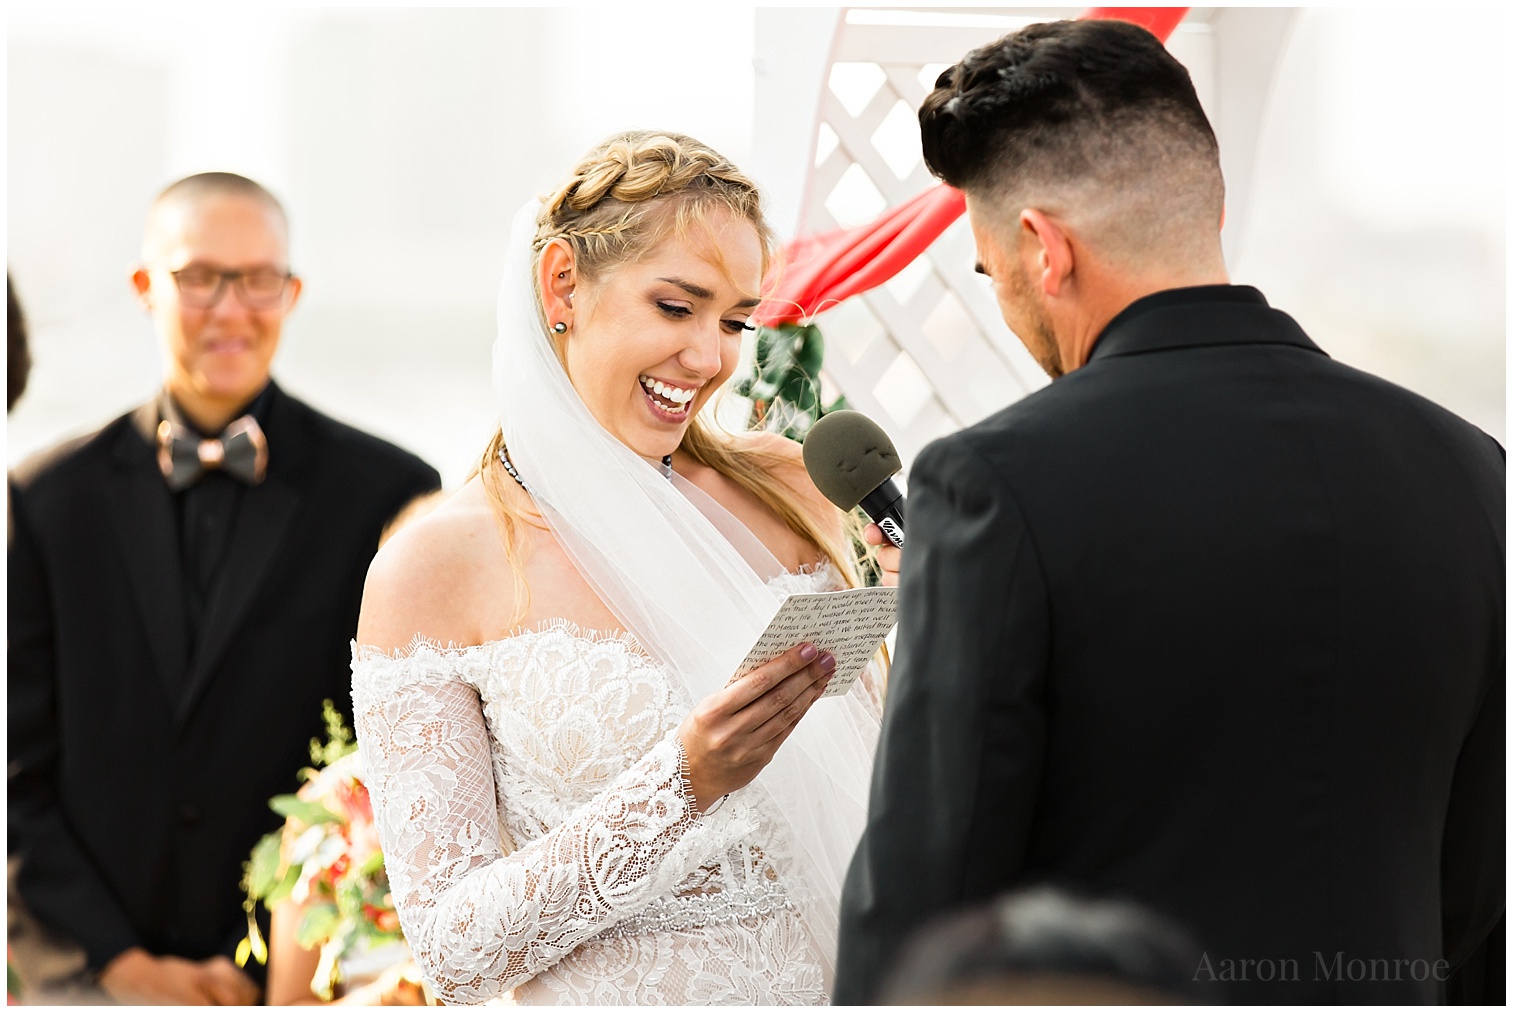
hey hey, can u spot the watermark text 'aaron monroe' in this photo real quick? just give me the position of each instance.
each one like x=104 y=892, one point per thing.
x=1336 y=968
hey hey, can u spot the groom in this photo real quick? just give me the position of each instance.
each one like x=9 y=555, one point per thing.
x=1212 y=623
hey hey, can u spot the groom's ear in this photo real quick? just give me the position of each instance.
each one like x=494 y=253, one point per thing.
x=557 y=280
x=1046 y=251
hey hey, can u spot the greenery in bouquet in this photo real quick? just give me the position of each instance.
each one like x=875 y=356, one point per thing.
x=325 y=859
x=784 y=384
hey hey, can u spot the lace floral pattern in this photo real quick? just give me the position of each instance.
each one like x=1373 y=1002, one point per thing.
x=540 y=840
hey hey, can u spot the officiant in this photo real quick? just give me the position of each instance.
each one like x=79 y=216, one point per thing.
x=184 y=586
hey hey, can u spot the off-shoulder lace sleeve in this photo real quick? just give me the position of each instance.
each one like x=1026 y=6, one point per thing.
x=478 y=921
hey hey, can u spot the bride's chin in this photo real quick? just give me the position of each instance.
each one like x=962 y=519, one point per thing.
x=655 y=438
x=654 y=448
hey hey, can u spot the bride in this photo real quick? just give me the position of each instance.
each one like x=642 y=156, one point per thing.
x=576 y=802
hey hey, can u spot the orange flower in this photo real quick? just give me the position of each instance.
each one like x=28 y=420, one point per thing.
x=362 y=805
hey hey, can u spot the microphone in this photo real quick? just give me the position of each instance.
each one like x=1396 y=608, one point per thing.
x=851 y=460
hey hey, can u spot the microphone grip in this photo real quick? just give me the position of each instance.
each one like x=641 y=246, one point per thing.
x=885 y=505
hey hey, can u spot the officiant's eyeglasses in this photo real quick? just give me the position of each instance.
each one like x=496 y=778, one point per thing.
x=258 y=289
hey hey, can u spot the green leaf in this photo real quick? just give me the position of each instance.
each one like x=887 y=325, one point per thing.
x=349 y=897
x=308 y=813
x=317 y=925
x=262 y=872
x=774 y=360
x=339 y=739
x=808 y=350
x=372 y=865
x=785 y=385
x=765 y=337
x=283 y=887
x=799 y=391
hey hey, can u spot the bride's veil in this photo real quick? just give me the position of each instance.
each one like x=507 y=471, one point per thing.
x=692 y=599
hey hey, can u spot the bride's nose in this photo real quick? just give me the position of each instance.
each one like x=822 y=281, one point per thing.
x=701 y=356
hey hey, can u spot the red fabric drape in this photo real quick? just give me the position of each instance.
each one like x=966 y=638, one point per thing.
x=822 y=271
x=1159 y=21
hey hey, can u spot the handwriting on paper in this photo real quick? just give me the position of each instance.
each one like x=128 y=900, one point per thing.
x=849 y=624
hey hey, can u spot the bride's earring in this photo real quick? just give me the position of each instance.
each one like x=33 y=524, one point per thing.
x=560 y=327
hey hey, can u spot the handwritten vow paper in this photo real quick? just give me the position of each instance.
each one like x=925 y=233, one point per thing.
x=849 y=624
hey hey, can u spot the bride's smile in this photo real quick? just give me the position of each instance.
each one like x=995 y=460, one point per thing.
x=668 y=400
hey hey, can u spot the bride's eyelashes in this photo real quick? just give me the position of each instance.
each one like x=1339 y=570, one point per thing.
x=677 y=311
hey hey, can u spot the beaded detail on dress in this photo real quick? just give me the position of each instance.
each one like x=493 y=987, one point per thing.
x=540 y=839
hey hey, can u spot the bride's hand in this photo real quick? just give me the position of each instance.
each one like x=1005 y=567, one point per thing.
x=731 y=735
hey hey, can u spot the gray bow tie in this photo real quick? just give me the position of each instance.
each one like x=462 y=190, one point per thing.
x=183 y=457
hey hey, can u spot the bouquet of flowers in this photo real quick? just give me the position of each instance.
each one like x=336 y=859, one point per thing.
x=326 y=859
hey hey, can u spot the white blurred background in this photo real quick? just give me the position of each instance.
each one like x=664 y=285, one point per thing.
x=402 y=140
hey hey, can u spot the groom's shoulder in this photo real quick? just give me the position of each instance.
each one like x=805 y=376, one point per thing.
x=1024 y=430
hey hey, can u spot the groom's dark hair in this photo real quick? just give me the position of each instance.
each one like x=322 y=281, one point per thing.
x=1075 y=108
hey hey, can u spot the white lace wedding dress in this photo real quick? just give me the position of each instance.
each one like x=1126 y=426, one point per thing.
x=540 y=839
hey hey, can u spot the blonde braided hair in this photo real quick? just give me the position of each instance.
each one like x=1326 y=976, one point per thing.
x=625 y=195
x=617 y=201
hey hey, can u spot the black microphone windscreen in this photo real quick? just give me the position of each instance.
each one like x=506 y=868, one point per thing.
x=848 y=455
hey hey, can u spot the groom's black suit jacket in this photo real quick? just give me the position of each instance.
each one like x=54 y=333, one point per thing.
x=1216 y=624
x=140 y=764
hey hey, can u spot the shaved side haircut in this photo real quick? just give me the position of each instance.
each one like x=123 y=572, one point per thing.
x=1091 y=120
x=202 y=187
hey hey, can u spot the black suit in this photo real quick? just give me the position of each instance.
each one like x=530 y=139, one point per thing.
x=142 y=757
x=1216 y=624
